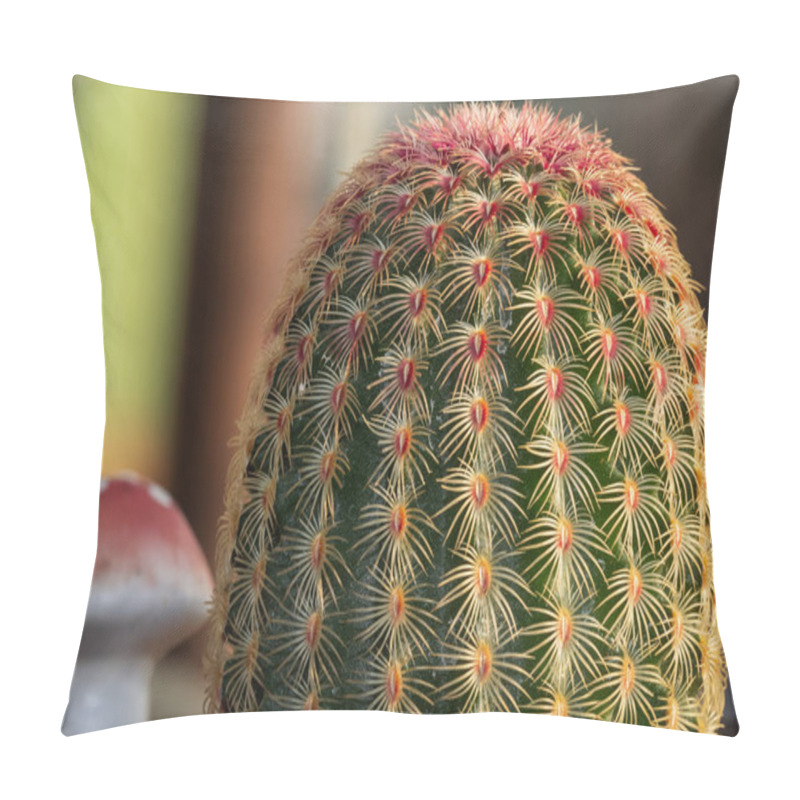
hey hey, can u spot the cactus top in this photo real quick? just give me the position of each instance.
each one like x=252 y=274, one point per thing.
x=469 y=475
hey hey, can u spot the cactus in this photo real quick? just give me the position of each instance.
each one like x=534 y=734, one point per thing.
x=470 y=471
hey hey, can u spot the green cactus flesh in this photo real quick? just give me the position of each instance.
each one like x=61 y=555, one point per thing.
x=469 y=476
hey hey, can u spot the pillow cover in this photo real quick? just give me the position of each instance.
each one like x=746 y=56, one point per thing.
x=468 y=467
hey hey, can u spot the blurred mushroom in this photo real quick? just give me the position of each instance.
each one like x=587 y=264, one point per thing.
x=149 y=589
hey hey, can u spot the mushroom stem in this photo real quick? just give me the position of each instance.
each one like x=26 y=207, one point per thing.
x=108 y=691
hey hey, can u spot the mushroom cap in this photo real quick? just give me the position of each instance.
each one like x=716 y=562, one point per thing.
x=151 y=581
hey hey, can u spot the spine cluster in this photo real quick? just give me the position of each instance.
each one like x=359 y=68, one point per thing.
x=470 y=473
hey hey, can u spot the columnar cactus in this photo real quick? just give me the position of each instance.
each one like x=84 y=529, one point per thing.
x=469 y=476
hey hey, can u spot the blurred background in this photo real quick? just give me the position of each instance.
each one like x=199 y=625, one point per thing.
x=199 y=202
